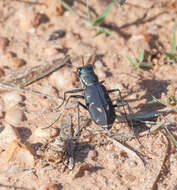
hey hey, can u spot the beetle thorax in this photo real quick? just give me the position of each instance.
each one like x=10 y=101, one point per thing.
x=87 y=75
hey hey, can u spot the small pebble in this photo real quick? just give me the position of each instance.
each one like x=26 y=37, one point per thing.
x=46 y=134
x=12 y=99
x=1 y=72
x=50 y=51
x=12 y=61
x=4 y=42
x=14 y=116
x=51 y=187
x=93 y=154
x=1 y=111
x=57 y=34
x=64 y=79
x=80 y=170
x=8 y=134
x=51 y=7
x=38 y=19
x=130 y=178
x=26 y=18
x=16 y=151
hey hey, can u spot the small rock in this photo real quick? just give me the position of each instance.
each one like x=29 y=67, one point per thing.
x=4 y=42
x=26 y=18
x=50 y=51
x=1 y=72
x=131 y=178
x=45 y=134
x=52 y=8
x=12 y=61
x=18 y=151
x=14 y=116
x=93 y=154
x=57 y=34
x=51 y=187
x=12 y=99
x=38 y=19
x=8 y=134
x=80 y=170
x=64 y=79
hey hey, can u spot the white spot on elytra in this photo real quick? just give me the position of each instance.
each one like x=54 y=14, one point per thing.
x=99 y=109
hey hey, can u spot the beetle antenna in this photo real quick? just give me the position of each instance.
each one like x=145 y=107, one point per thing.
x=82 y=61
x=91 y=60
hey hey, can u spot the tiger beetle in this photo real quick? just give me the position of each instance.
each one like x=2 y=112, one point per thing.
x=97 y=100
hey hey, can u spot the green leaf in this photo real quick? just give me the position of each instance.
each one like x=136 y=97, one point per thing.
x=171 y=56
x=173 y=44
x=100 y=18
x=135 y=64
x=99 y=32
x=88 y=12
x=141 y=55
x=87 y=22
x=163 y=103
x=66 y=6
x=171 y=137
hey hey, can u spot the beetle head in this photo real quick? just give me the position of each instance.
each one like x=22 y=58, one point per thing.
x=87 y=75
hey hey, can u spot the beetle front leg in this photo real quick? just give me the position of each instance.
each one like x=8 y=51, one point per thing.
x=68 y=92
x=78 y=110
x=74 y=96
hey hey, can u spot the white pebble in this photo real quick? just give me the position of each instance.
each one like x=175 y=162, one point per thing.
x=11 y=99
x=14 y=116
x=64 y=79
x=45 y=134
x=8 y=135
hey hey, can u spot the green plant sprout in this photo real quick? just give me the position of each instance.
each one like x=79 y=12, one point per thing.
x=172 y=55
x=160 y=101
x=90 y=21
x=139 y=62
x=171 y=137
x=173 y=100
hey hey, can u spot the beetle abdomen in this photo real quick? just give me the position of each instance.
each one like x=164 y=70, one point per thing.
x=99 y=104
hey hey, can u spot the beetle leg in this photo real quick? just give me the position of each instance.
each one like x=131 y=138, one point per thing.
x=78 y=118
x=123 y=104
x=73 y=96
x=68 y=92
x=113 y=90
x=129 y=110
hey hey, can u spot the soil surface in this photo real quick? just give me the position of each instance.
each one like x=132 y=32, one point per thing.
x=38 y=34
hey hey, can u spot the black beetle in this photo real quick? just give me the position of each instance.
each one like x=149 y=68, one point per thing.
x=97 y=100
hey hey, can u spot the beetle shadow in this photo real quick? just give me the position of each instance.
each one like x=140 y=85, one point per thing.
x=151 y=87
x=80 y=152
x=24 y=133
x=139 y=21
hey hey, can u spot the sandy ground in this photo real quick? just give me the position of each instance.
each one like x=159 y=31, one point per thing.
x=29 y=158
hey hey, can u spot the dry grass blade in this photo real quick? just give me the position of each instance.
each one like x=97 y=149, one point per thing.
x=24 y=91
x=39 y=72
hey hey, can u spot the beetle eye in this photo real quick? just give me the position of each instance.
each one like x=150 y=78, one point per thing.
x=79 y=71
